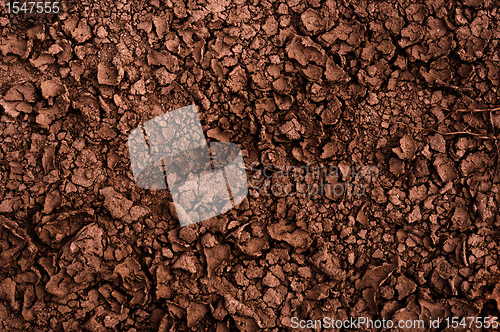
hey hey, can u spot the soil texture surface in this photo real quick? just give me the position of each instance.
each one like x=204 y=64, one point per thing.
x=399 y=101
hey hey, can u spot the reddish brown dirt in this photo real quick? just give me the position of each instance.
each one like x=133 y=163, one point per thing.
x=375 y=84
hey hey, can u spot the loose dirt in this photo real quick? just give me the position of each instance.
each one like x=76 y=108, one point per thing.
x=409 y=89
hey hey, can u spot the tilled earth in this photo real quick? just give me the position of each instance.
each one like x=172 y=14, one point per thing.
x=407 y=90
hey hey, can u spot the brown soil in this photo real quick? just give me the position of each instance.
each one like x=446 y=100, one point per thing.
x=407 y=88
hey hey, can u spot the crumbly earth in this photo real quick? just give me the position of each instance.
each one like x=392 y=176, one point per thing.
x=405 y=89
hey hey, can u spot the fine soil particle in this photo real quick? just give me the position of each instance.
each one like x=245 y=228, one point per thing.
x=396 y=101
